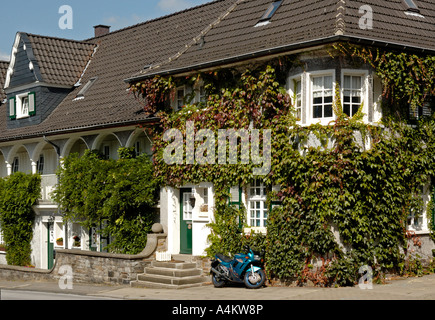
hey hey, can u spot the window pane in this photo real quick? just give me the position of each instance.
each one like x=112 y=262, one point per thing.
x=317 y=112
x=328 y=82
x=356 y=100
x=346 y=109
x=318 y=83
x=328 y=111
x=355 y=109
x=346 y=83
x=356 y=82
x=318 y=100
x=328 y=99
x=298 y=87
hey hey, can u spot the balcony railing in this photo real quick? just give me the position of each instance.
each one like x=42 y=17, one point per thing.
x=48 y=183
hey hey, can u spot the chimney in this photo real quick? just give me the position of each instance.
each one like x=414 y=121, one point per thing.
x=101 y=30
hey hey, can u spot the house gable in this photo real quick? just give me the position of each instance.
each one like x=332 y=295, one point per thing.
x=42 y=72
x=23 y=68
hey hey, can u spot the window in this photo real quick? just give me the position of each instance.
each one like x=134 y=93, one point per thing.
x=179 y=99
x=352 y=94
x=322 y=92
x=205 y=195
x=298 y=98
x=25 y=106
x=202 y=95
x=412 y=6
x=106 y=152
x=87 y=86
x=40 y=165
x=15 y=165
x=22 y=106
x=137 y=148
x=270 y=11
x=257 y=204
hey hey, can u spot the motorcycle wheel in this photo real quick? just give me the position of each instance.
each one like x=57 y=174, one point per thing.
x=256 y=281
x=217 y=282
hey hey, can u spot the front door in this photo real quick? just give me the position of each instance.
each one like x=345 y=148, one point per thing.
x=186 y=208
x=50 y=245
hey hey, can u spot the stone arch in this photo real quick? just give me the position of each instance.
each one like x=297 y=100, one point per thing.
x=21 y=154
x=74 y=145
x=50 y=159
x=145 y=142
x=108 y=144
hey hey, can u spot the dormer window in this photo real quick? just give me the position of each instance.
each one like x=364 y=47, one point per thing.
x=267 y=16
x=87 y=86
x=412 y=6
x=22 y=106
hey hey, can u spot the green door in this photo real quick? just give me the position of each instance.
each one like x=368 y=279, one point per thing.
x=50 y=244
x=186 y=208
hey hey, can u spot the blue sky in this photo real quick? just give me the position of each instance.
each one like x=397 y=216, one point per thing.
x=42 y=17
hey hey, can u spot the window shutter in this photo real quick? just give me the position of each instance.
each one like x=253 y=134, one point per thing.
x=12 y=108
x=32 y=103
x=236 y=196
x=235 y=199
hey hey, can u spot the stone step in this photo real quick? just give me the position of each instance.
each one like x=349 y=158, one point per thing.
x=155 y=285
x=173 y=272
x=168 y=280
x=174 y=265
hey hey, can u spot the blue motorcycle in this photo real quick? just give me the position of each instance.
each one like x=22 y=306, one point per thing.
x=247 y=268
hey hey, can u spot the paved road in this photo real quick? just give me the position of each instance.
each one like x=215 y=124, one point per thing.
x=208 y=302
x=422 y=288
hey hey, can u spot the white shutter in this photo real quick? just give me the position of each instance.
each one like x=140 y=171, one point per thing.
x=32 y=104
x=12 y=108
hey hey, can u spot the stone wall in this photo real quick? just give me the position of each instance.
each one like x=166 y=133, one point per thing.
x=91 y=267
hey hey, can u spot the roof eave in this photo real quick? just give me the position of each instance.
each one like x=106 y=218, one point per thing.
x=282 y=49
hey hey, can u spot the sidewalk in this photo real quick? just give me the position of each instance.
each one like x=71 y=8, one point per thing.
x=404 y=289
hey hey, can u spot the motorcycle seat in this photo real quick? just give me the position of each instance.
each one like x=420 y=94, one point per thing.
x=224 y=258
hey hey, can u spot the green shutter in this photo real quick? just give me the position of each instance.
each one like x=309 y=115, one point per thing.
x=235 y=196
x=32 y=103
x=12 y=108
x=235 y=199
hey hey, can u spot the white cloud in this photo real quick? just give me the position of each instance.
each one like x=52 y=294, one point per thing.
x=174 y=5
x=4 y=56
x=116 y=22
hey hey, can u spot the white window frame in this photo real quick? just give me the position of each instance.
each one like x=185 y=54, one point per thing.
x=299 y=97
x=19 y=106
x=420 y=225
x=175 y=105
x=365 y=83
x=254 y=200
x=310 y=105
x=200 y=98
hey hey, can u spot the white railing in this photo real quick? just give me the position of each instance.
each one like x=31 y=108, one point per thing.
x=48 y=183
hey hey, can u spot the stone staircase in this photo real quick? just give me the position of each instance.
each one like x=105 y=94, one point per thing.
x=176 y=274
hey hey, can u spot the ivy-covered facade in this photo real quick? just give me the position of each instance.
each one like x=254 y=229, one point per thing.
x=308 y=131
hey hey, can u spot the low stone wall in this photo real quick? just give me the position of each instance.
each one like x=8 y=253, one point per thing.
x=91 y=267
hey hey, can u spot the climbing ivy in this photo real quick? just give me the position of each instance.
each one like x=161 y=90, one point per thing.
x=342 y=205
x=118 y=195
x=18 y=193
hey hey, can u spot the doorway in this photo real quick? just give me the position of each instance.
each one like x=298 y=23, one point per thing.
x=187 y=203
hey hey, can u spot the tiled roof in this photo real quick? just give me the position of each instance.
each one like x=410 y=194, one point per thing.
x=119 y=55
x=299 y=24
x=60 y=61
x=393 y=24
x=222 y=31
x=3 y=69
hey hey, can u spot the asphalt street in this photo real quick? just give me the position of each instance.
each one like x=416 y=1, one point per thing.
x=418 y=289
